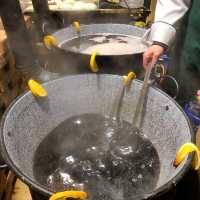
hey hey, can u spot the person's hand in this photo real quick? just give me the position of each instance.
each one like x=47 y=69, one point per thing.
x=152 y=54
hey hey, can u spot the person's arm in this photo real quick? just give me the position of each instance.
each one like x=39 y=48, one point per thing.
x=168 y=13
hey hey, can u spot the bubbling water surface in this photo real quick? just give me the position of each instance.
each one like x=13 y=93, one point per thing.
x=109 y=160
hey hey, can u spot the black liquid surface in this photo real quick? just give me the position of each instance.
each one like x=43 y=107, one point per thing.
x=92 y=153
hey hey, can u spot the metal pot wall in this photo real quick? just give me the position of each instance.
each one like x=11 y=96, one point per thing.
x=29 y=120
x=58 y=61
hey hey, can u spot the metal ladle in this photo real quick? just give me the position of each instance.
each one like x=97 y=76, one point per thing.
x=141 y=104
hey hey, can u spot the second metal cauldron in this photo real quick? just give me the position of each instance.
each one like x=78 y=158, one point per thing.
x=108 y=63
x=29 y=120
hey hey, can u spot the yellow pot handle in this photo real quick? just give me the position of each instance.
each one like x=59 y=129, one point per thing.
x=36 y=89
x=49 y=41
x=77 y=26
x=140 y=24
x=186 y=149
x=93 y=65
x=69 y=194
x=127 y=79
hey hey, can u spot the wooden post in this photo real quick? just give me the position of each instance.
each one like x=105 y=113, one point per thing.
x=11 y=179
x=10 y=87
x=198 y=137
x=150 y=18
x=3 y=178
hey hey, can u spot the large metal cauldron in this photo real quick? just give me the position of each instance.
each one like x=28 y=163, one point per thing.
x=29 y=120
x=111 y=63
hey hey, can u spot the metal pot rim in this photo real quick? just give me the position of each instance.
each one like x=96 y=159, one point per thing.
x=69 y=28
x=41 y=189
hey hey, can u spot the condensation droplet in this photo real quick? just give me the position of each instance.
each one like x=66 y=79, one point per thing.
x=140 y=176
x=134 y=180
x=142 y=166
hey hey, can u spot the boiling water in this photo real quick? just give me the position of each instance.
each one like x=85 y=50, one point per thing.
x=106 y=44
x=95 y=154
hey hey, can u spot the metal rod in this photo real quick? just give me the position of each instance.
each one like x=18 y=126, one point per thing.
x=141 y=104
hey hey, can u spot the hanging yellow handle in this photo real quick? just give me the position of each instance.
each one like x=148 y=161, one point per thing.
x=49 y=41
x=184 y=151
x=127 y=79
x=37 y=89
x=93 y=65
x=69 y=194
x=140 y=24
x=77 y=26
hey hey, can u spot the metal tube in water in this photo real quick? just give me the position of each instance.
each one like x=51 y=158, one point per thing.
x=141 y=104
